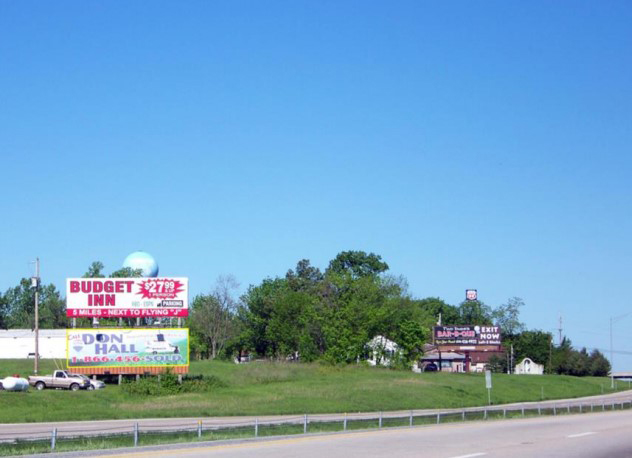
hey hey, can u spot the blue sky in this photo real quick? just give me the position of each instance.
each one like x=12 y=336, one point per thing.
x=471 y=144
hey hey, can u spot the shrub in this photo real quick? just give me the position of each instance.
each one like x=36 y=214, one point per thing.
x=168 y=384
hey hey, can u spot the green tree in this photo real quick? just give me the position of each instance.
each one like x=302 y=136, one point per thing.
x=213 y=315
x=4 y=313
x=497 y=364
x=127 y=272
x=95 y=270
x=532 y=344
x=254 y=317
x=19 y=303
x=507 y=316
x=599 y=366
x=410 y=339
x=305 y=278
x=357 y=264
x=474 y=312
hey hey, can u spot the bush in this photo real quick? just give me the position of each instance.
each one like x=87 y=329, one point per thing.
x=168 y=384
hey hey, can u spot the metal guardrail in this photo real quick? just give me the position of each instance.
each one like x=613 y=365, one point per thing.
x=220 y=429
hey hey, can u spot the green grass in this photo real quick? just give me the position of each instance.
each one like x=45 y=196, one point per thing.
x=279 y=388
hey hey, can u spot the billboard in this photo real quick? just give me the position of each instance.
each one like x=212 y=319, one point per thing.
x=127 y=297
x=137 y=347
x=467 y=335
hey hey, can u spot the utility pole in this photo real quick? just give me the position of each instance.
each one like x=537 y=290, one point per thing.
x=35 y=281
x=612 y=319
x=560 y=329
x=611 y=360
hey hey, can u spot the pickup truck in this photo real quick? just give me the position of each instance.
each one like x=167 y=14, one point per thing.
x=59 y=379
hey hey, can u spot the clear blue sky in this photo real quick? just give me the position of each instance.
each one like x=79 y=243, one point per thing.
x=471 y=144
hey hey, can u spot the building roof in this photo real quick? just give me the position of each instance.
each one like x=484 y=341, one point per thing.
x=449 y=355
x=21 y=333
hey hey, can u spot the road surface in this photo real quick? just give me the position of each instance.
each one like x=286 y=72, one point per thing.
x=596 y=435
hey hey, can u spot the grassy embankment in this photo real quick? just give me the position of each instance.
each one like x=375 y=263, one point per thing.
x=277 y=388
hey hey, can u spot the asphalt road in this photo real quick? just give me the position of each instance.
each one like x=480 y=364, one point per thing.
x=593 y=435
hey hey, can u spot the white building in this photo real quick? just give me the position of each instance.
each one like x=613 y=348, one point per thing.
x=528 y=367
x=381 y=351
x=20 y=343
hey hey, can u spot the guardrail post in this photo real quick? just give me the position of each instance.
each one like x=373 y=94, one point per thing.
x=613 y=406
x=344 y=424
x=603 y=405
x=485 y=414
x=53 y=439
x=305 y=424
x=554 y=410
x=438 y=418
x=592 y=407
x=256 y=427
x=580 y=408
x=410 y=420
x=539 y=410
x=523 y=411
x=463 y=415
x=568 y=408
x=380 y=423
x=504 y=413
x=136 y=434
x=199 y=429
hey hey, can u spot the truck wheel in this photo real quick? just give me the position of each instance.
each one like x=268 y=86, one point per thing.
x=74 y=387
x=40 y=386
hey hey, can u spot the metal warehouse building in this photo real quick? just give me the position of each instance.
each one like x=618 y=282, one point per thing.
x=20 y=343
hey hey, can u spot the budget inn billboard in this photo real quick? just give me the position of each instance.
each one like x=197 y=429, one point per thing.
x=127 y=297
x=127 y=348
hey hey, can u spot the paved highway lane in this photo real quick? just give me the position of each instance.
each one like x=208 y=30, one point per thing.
x=593 y=435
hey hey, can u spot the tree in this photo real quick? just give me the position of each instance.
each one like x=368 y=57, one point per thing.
x=599 y=366
x=127 y=272
x=357 y=264
x=532 y=344
x=19 y=306
x=410 y=339
x=474 y=312
x=4 y=313
x=306 y=278
x=95 y=270
x=212 y=316
x=497 y=364
x=507 y=316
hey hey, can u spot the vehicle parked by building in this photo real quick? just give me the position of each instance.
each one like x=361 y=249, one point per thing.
x=94 y=383
x=59 y=379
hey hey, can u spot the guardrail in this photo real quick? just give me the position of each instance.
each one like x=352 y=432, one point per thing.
x=135 y=434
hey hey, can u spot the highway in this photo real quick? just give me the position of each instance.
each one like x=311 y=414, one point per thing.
x=592 y=435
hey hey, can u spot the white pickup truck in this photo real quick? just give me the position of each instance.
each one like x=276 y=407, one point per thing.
x=59 y=379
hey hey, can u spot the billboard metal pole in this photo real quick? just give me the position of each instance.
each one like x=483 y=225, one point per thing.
x=35 y=283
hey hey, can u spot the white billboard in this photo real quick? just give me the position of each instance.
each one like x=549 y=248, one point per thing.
x=127 y=297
